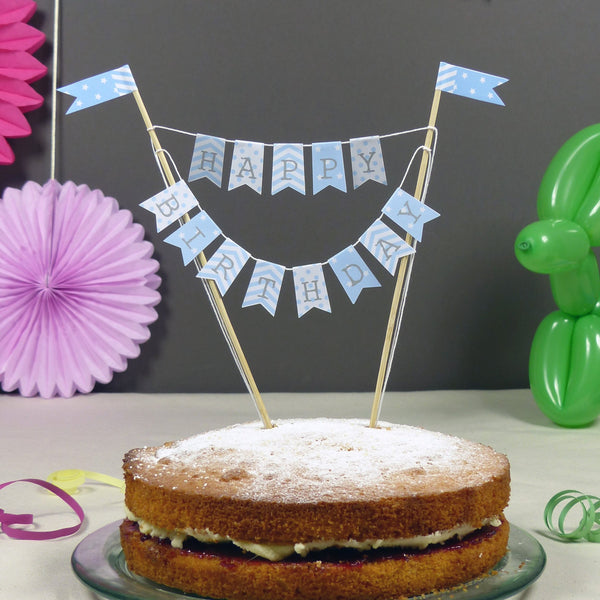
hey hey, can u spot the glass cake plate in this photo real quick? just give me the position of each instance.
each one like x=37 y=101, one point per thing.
x=99 y=563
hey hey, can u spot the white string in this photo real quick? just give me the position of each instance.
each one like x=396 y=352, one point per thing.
x=304 y=145
x=54 y=91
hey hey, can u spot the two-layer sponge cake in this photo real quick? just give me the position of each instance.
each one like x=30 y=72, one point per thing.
x=315 y=509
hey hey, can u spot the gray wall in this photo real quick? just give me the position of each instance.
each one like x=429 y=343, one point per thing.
x=313 y=71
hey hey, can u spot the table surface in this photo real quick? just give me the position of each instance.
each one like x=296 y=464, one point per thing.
x=93 y=432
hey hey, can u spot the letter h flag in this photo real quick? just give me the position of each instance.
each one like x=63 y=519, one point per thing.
x=207 y=159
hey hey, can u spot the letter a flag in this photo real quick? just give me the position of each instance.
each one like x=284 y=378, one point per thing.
x=225 y=265
x=265 y=286
x=100 y=88
x=207 y=159
x=407 y=212
x=328 y=166
x=469 y=83
x=194 y=236
x=288 y=168
x=367 y=160
x=311 y=291
x=385 y=245
x=247 y=165
x=170 y=204
x=353 y=273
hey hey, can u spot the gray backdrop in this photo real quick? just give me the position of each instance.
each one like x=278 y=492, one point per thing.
x=305 y=71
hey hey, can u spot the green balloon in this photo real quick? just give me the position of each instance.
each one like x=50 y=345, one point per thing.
x=564 y=368
x=576 y=292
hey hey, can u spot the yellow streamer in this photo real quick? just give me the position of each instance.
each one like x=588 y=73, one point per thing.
x=70 y=480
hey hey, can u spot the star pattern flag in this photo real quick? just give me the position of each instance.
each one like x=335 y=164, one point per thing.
x=352 y=272
x=367 y=160
x=328 y=166
x=170 y=204
x=207 y=159
x=247 y=165
x=410 y=214
x=311 y=289
x=469 y=83
x=288 y=168
x=385 y=245
x=225 y=265
x=193 y=237
x=265 y=286
x=100 y=88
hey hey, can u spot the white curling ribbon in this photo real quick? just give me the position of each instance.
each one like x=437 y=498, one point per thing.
x=310 y=288
x=367 y=160
x=225 y=265
x=385 y=245
x=170 y=204
x=265 y=286
x=247 y=165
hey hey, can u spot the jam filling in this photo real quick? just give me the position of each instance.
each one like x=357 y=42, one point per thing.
x=342 y=556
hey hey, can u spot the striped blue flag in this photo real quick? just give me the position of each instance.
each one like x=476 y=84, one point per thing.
x=100 y=88
x=469 y=83
x=225 y=265
x=385 y=245
x=288 y=168
x=207 y=159
x=265 y=286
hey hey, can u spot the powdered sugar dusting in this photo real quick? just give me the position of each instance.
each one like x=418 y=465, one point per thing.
x=308 y=460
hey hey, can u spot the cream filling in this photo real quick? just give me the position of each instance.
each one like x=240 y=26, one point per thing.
x=276 y=552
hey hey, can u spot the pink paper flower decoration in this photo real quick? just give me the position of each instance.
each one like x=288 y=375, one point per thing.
x=18 y=68
x=77 y=289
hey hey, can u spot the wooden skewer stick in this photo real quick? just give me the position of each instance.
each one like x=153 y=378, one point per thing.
x=211 y=286
x=393 y=322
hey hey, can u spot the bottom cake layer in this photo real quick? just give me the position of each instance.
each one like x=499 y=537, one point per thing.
x=224 y=572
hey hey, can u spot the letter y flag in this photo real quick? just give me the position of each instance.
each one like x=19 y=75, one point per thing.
x=469 y=83
x=100 y=88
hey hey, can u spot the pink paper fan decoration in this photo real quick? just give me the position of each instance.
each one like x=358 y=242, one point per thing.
x=78 y=288
x=18 y=41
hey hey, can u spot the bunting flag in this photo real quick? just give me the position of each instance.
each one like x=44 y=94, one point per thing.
x=367 y=160
x=100 y=88
x=247 y=165
x=385 y=245
x=469 y=83
x=265 y=286
x=225 y=265
x=194 y=236
x=207 y=159
x=352 y=272
x=409 y=213
x=288 y=168
x=328 y=166
x=311 y=290
x=170 y=204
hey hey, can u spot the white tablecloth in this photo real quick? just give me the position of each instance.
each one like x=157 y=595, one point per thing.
x=93 y=432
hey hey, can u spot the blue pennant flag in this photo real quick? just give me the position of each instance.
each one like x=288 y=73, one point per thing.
x=328 y=166
x=170 y=204
x=288 y=168
x=100 y=88
x=385 y=245
x=225 y=265
x=469 y=83
x=367 y=160
x=265 y=286
x=353 y=273
x=247 y=165
x=207 y=159
x=407 y=212
x=194 y=236
x=310 y=287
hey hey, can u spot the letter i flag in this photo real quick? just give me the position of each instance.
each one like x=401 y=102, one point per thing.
x=194 y=236
x=310 y=287
x=170 y=204
x=225 y=265
x=265 y=286
x=352 y=272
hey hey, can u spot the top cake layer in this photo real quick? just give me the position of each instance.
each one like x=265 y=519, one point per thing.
x=317 y=460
